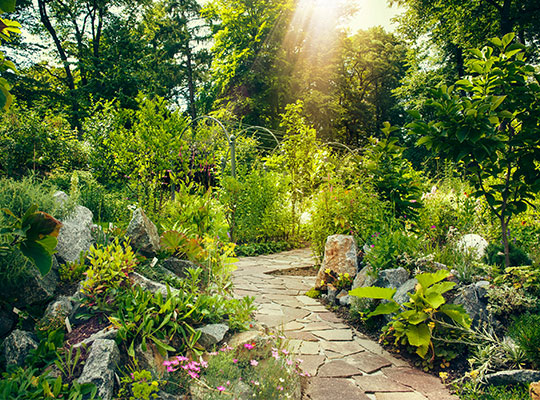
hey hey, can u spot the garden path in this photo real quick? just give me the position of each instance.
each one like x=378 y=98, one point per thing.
x=342 y=362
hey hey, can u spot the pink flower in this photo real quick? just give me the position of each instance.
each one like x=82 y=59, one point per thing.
x=234 y=360
x=194 y=375
x=165 y=363
x=285 y=351
x=280 y=387
x=289 y=362
x=204 y=364
x=221 y=388
x=275 y=354
x=249 y=346
x=214 y=353
x=182 y=358
x=433 y=227
x=254 y=363
x=228 y=383
x=171 y=369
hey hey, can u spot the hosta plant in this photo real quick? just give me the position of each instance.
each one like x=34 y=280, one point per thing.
x=417 y=321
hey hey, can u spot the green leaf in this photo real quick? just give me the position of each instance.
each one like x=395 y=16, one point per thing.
x=427 y=279
x=414 y=317
x=414 y=113
x=162 y=347
x=457 y=313
x=40 y=224
x=39 y=255
x=435 y=300
x=385 y=308
x=7 y=6
x=373 y=292
x=131 y=350
x=420 y=336
x=496 y=102
x=423 y=140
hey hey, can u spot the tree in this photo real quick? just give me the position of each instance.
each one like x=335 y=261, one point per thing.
x=490 y=123
x=372 y=65
x=7 y=27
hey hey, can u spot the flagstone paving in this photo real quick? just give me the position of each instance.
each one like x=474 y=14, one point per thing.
x=342 y=362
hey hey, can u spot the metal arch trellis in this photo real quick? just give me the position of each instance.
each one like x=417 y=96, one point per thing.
x=231 y=138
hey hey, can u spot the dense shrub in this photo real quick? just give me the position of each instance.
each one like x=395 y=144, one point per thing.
x=525 y=330
x=337 y=210
x=31 y=142
x=495 y=255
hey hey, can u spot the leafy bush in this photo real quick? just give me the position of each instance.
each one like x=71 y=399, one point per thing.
x=337 y=210
x=108 y=272
x=386 y=248
x=525 y=330
x=471 y=392
x=495 y=255
x=419 y=321
x=508 y=300
x=31 y=142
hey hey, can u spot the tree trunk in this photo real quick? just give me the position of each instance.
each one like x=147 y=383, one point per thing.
x=504 y=229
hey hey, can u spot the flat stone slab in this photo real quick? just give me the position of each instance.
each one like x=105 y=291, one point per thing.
x=311 y=363
x=335 y=335
x=426 y=384
x=400 y=396
x=334 y=388
x=343 y=348
x=369 y=362
x=305 y=336
x=338 y=369
x=309 y=348
x=379 y=383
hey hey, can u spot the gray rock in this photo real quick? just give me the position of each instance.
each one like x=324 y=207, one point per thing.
x=513 y=376
x=331 y=295
x=345 y=301
x=392 y=278
x=7 y=321
x=212 y=335
x=107 y=333
x=473 y=299
x=36 y=288
x=143 y=234
x=401 y=295
x=151 y=359
x=17 y=346
x=150 y=285
x=58 y=310
x=178 y=267
x=363 y=278
x=161 y=395
x=100 y=367
x=340 y=256
x=75 y=236
x=475 y=244
x=60 y=198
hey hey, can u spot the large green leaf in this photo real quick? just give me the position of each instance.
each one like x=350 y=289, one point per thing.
x=419 y=336
x=428 y=279
x=457 y=313
x=373 y=292
x=414 y=317
x=385 y=308
x=39 y=225
x=7 y=5
x=39 y=255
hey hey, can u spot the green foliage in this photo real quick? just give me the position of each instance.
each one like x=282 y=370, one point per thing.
x=194 y=211
x=108 y=272
x=525 y=330
x=506 y=301
x=526 y=277
x=7 y=28
x=355 y=210
x=27 y=383
x=387 y=248
x=106 y=204
x=255 y=249
x=488 y=122
x=392 y=175
x=73 y=271
x=495 y=255
x=419 y=320
x=30 y=142
x=469 y=391
x=138 y=386
x=255 y=206
x=34 y=234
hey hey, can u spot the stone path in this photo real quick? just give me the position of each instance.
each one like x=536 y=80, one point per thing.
x=343 y=363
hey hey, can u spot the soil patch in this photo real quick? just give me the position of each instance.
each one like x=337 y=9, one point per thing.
x=297 y=271
x=85 y=330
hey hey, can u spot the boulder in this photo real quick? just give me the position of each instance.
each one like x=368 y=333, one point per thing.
x=534 y=390
x=100 y=367
x=473 y=299
x=343 y=298
x=143 y=234
x=178 y=267
x=363 y=278
x=339 y=256
x=36 y=288
x=151 y=359
x=212 y=335
x=60 y=198
x=475 y=244
x=392 y=278
x=150 y=285
x=511 y=377
x=75 y=236
x=331 y=294
x=56 y=312
x=401 y=295
x=7 y=321
x=17 y=346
